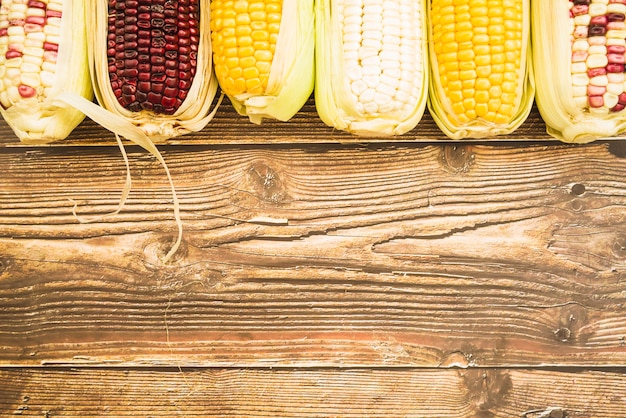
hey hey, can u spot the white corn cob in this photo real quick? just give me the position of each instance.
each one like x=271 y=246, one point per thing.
x=371 y=65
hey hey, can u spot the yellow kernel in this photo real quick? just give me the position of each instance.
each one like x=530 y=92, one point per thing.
x=483 y=83
x=495 y=91
x=482 y=96
x=468 y=94
x=464 y=35
x=494 y=105
x=250 y=73
x=260 y=35
x=246 y=51
x=466 y=55
x=481 y=109
x=483 y=60
x=483 y=70
x=467 y=74
x=246 y=62
x=263 y=54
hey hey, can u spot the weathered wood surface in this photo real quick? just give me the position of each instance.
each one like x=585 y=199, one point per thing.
x=304 y=128
x=317 y=277
x=380 y=256
x=313 y=393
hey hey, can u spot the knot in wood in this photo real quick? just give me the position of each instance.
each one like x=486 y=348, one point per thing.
x=619 y=247
x=265 y=183
x=457 y=159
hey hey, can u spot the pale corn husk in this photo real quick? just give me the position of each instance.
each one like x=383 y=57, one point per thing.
x=292 y=74
x=440 y=108
x=335 y=105
x=37 y=121
x=552 y=52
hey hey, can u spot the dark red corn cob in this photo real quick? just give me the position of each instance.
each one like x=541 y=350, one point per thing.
x=152 y=49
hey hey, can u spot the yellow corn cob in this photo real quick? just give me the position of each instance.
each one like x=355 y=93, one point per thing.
x=482 y=83
x=579 y=49
x=42 y=53
x=371 y=65
x=263 y=54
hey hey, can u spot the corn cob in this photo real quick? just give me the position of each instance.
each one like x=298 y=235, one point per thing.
x=42 y=53
x=579 y=50
x=151 y=65
x=371 y=65
x=482 y=83
x=263 y=53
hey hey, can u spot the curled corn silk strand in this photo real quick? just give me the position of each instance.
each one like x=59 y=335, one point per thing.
x=120 y=126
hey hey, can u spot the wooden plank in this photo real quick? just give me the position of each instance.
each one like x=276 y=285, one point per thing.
x=317 y=256
x=312 y=393
x=305 y=127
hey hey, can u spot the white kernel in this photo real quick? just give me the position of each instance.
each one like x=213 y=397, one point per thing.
x=578 y=67
x=37 y=11
x=616 y=77
x=365 y=52
x=351 y=45
x=370 y=107
x=372 y=43
x=580 y=79
x=13 y=62
x=596 y=9
x=580 y=45
x=33 y=42
x=352 y=11
x=31 y=79
x=371 y=61
x=582 y=20
x=392 y=82
x=579 y=91
x=597 y=60
x=616 y=41
x=367 y=96
x=52 y=29
x=358 y=87
x=28 y=67
x=615 y=88
x=375 y=35
x=53 y=39
x=617 y=33
x=14 y=94
x=371 y=81
x=35 y=52
x=597 y=49
x=49 y=66
x=15 y=31
x=616 y=8
x=354 y=72
x=600 y=81
x=581 y=101
x=47 y=78
x=351 y=28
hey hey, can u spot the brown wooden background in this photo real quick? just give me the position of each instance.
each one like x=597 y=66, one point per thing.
x=320 y=275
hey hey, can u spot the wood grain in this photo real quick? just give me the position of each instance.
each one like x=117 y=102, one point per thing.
x=227 y=127
x=405 y=255
x=312 y=393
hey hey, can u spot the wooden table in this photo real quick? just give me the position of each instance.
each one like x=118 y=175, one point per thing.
x=319 y=275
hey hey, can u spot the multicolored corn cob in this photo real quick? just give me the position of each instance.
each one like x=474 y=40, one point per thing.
x=371 y=65
x=581 y=89
x=482 y=83
x=43 y=52
x=263 y=52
